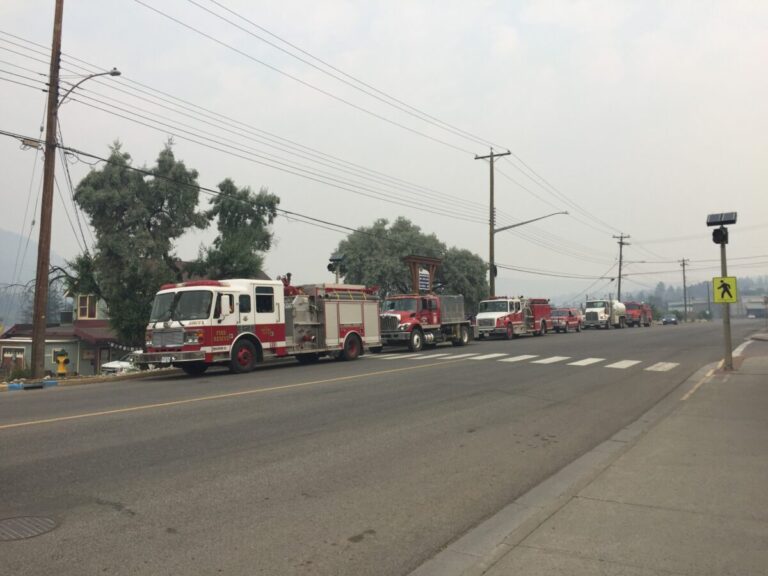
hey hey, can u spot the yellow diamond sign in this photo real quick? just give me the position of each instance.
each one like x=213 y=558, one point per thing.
x=724 y=289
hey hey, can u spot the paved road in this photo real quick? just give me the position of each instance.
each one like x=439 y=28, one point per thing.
x=367 y=467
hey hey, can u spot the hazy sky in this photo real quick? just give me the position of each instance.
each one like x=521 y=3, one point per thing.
x=637 y=117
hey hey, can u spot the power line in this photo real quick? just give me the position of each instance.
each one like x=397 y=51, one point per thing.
x=366 y=89
x=303 y=82
x=554 y=244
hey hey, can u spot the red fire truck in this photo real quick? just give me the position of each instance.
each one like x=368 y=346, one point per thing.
x=423 y=320
x=239 y=323
x=638 y=314
x=513 y=317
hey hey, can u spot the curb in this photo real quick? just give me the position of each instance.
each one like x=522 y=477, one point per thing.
x=483 y=546
x=40 y=385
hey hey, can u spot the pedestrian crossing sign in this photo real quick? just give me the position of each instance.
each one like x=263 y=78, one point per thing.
x=724 y=289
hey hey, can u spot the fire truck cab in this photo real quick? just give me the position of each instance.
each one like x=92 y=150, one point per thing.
x=513 y=317
x=241 y=322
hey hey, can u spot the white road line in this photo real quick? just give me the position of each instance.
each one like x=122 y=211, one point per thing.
x=487 y=356
x=623 y=364
x=427 y=357
x=586 y=362
x=457 y=356
x=662 y=366
x=379 y=356
x=551 y=360
x=519 y=358
x=740 y=350
x=400 y=356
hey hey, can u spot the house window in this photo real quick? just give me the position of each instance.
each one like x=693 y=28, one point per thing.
x=12 y=358
x=86 y=307
x=265 y=299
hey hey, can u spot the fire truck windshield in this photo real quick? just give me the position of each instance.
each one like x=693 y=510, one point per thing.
x=402 y=304
x=494 y=306
x=188 y=305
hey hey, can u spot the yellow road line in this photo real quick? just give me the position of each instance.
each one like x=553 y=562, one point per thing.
x=217 y=396
x=706 y=378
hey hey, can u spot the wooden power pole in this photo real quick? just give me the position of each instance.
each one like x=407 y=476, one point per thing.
x=39 y=315
x=492 y=222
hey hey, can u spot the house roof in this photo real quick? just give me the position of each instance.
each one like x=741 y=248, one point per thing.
x=91 y=331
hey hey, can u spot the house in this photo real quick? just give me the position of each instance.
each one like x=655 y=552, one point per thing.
x=84 y=334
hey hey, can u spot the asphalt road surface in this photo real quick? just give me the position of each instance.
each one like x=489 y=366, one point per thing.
x=339 y=468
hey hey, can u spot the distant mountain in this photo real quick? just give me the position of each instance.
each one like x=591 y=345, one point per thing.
x=19 y=256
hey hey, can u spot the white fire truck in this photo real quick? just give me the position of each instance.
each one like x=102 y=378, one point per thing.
x=240 y=323
x=513 y=317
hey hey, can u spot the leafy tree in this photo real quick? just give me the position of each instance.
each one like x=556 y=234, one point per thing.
x=373 y=256
x=136 y=217
x=243 y=219
x=53 y=308
x=464 y=273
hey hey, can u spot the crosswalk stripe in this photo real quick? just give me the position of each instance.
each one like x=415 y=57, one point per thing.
x=427 y=357
x=457 y=356
x=551 y=360
x=662 y=366
x=623 y=364
x=396 y=356
x=586 y=362
x=519 y=358
x=487 y=356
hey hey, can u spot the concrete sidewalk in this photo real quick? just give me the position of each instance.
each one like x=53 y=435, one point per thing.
x=683 y=490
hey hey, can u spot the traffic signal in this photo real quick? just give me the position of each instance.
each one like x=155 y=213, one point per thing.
x=720 y=235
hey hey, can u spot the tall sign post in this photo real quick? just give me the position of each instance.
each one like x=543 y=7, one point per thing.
x=724 y=287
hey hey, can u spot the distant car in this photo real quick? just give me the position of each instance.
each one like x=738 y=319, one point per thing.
x=125 y=364
x=669 y=319
x=566 y=319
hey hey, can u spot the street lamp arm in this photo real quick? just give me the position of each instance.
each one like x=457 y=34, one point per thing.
x=527 y=221
x=113 y=72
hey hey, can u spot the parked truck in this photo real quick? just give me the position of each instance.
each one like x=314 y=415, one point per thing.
x=604 y=314
x=240 y=323
x=638 y=314
x=513 y=317
x=424 y=320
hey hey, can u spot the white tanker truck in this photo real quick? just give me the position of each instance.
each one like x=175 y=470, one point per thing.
x=604 y=314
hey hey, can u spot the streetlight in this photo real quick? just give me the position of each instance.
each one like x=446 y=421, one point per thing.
x=113 y=72
x=39 y=320
x=515 y=225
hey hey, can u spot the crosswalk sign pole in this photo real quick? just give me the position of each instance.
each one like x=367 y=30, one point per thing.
x=726 y=314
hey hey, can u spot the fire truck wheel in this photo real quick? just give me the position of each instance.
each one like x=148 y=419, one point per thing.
x=352 y=348
x=416 y=343
x=194 y=368
x=509 y=333
x=463 y=338
x=243 y=357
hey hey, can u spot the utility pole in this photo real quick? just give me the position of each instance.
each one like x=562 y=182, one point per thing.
x=683 y=263
x=621 y=237
x=39 y=316
x=492 y=223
